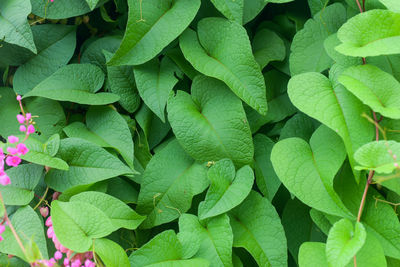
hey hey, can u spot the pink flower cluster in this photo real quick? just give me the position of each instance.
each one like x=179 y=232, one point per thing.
x=11 y=156
x=71 y=259
x=2 y=229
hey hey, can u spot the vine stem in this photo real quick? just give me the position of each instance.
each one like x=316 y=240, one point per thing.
x=8 y=221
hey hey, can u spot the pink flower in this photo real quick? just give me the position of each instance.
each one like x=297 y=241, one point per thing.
x=2 y=228
x=28 y=116
x=19 y=98
x=58 y=255
x=13 y=161
x=44 y=211
x=4 y=179
x=66 y=261
x=49 y=222
x=20 y=118
x=22 y=149
x=31 y=129
x=13 y=139
x=12 y=150
x=22 y=128
x=50 y=232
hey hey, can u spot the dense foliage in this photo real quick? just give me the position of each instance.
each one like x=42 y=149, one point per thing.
x=199 y=133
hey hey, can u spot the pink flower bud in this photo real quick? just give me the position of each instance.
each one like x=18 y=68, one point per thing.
x=4 y=180
x=56 y=195
x=1 y=238
x=13 y=161
x=1 y=151
x=19 y=97
x=13 y=139
x=63 y=249
x=50 y=232
x=66 y=261
x=76 y=263
x=58 y=255
x=12 y=150
x=49 y=222
x=21 y=118
x=31 y=129
x=44 y=211
x=88 y=263
x=28 y=116
x=22 y=149
x=2 y=228
x=22 y=128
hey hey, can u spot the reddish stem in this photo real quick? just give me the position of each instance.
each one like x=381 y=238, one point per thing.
x=359 y=6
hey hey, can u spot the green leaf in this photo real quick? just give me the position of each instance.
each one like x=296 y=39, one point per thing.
x=268 y=46
x=379 y=156
x=392 y=5
x=231 y=9
x=266 y=178
x=344 y=241
x=122 y=83
x=77 y=223
x=79 y=130
x=216 y=238
x=92 y=3
x=29 y=228
x=75 y=83
x=52 y=145
x=24 y=179
x=110 y=126
x=334 y=106
x=167 y=192
x=308 y=52
x=251 y=8
x=120 y=214
x=88 y=164
x=375 y=88
x=227 y=190
x=59 y=9
x=299 y=125
x=152 y=25
x=164 y=250
x=371 y=33
x=257 y=228
x=215 y=118
x=14 y=27
x=110 y=253
x=307 y=171
x=9 y=107
x=330 y=43
x=37 y=154
x=312 y=254
x=371 y=254
x=55 y=47
x=221 y=49
x=155 y=80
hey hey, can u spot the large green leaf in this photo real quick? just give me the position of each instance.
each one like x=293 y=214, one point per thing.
x=24 y=179
x=155 y=80
x=55 y=47
x=164 y=250
x=79 y=130
x=29 y=227
x=380 y=37
x=392 y=5
x=167 y=191
x=211 y=124
x=75 y=83
x=122 y=83
x=257 y=228
x=307 y=171
x=312 y=254
x=152 y=25
x=216 y=237
x=88 y=163
x=59 y=9
x=232 y=10
x=371 y=254
x=333 y=105
x=344 y=241
x=379 y=156
x=227 y=190
x=77 y=223
x=14 y=28
x=221 y=49
x=110 y=253
x=110 y=126
x=308 y=52
x=375 y=88
x=268 y=46
x=120 y=214
x=266 y=178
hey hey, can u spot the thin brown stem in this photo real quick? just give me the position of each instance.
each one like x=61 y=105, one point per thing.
x=359 y=6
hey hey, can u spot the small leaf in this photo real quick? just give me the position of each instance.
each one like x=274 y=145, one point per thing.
x=75 y=83
x=382 y=37
x=257 y=228
x=110 y=253
x=227 y=190
x=88 y=164
x=214 y=117
x=77 y=223
x=52 y=145
x=312 y=254
x=152 y=25
x=344 y=241
x=221 y=49
x=231 y=9
x=268 y=46
x=120 y=214
x=79 y=130
x=375 y=88
x=60 y=9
